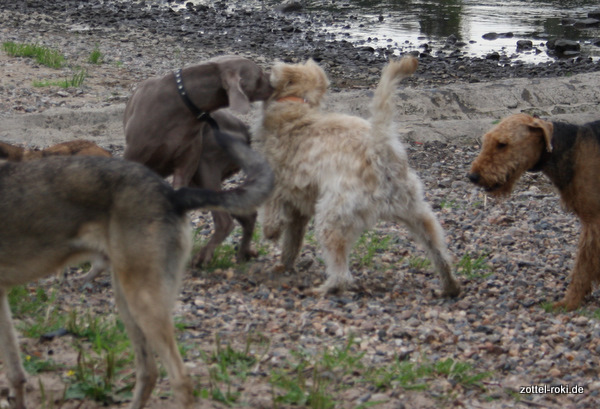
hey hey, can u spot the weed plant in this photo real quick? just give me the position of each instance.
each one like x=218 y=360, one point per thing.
x=75 y=81
x=368 y=246
x=96 y=56
x=42 y=55
x=225 y=255
x=474 y=266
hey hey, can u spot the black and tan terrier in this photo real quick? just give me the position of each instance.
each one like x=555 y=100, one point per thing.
x=569 y=155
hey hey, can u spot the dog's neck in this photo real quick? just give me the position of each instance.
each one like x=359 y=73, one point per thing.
x=539 y=166
x=292 y=98
x=558 y=164
x=204 y=79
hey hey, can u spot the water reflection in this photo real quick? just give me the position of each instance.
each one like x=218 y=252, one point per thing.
x=395 y=23
x=440 y=19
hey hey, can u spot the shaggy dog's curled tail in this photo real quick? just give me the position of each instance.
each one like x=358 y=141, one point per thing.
x=382 y=107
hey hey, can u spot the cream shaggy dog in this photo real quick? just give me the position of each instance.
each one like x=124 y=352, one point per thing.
x=345 y=171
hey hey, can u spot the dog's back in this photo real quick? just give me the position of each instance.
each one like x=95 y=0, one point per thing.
x=69 y=148
x=11 y=152
x=75 y=147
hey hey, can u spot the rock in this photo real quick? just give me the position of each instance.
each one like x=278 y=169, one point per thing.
x=451 y=39
x=562 y=47
x=524 y=45
x=586 y=22
x=290 y=7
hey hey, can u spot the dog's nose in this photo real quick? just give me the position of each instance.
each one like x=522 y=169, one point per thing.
x=473 y=177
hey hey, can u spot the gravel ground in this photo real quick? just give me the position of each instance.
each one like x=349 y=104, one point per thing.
x=525 y=244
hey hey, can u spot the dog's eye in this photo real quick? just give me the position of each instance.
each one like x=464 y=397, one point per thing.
x=501 y=145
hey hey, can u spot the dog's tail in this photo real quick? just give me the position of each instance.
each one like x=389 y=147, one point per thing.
x=240 y=200
x=382 y=107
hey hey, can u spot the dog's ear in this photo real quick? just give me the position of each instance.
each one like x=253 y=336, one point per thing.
x=238 y=100
x=547 y=130
x=279 y=72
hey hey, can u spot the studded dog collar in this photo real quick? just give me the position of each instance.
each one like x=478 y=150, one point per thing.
x=197 y=112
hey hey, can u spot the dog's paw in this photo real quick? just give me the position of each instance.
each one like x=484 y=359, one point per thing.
x=451 y=290
x=567 y=304
x=271 y=232
x=280 y=268
x=246 y=254
x=335 y=285
x=203 y=257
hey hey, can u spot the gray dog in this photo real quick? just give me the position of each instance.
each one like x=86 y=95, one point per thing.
x=63 y=210
x=164 y=132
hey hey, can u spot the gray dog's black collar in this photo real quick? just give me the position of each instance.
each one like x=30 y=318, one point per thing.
x=198 y=113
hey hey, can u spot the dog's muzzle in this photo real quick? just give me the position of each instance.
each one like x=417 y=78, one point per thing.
x=474 y=177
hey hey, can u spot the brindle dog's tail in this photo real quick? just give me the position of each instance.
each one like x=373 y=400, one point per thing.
x=240 y=200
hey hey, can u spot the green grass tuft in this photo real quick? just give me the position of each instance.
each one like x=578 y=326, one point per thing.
x=416 y=376
x=75 y=81
x=43 y=55
x=368 y=246
x=96 y=56
x=474 y=266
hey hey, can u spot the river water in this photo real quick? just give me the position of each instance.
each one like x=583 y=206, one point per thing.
x=391 y=23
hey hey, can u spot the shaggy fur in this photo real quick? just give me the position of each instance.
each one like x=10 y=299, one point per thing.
x=570 y=156
x=345 y=171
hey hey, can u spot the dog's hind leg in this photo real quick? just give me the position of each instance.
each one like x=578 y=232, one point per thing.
x=206 y=178
x=247 y=222
x=146 y=369
x=9 y=352
x=145 y=305
x=336 y=238
x=429 y=233
x=421 y=221
x=587 y=267
x=148 y=266
x=223 y=227
x=293 y=237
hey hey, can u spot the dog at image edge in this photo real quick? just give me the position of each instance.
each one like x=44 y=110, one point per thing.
x=569 y=155
x=64 y=210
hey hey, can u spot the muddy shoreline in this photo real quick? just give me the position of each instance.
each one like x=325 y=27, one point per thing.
x=232 y=27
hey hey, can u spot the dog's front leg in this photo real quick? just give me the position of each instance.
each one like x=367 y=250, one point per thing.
x=9 y=352
x=587 y=267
